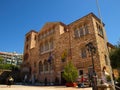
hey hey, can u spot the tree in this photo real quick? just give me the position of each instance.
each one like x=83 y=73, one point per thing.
x=70 y=72
x=115 y=56
x=6 y=66
x=1 y=60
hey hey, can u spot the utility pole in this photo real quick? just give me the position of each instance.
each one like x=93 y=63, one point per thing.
x=108 y=59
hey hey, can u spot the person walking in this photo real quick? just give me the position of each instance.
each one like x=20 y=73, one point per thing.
x=25 y=79
x=10 y=81
x=82 y=81
x=104 y=75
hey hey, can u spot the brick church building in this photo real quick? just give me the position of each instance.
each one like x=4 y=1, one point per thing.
x=47 y=52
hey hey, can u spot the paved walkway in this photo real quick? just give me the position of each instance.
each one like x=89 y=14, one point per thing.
x=21 y=87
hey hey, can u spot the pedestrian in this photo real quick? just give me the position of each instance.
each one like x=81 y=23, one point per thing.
x=25 y=79
x=10 y=81
x=33 y=79
x=82 y=81
x=104 y=75
x=45 y=81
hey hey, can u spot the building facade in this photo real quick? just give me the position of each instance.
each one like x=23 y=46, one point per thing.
x=11 y=58
x=48 y=51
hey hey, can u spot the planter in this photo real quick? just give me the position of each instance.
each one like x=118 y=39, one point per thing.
x=71 y=84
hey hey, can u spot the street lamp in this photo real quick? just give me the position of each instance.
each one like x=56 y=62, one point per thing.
x=91 y=49
x=50 y=63
x=99 y=13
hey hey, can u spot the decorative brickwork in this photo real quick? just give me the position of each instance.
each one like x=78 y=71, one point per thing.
x=60 y=43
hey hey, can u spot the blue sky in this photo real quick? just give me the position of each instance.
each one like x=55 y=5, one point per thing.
x=17 y=17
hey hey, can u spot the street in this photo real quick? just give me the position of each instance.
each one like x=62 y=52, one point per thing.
x=22 y=87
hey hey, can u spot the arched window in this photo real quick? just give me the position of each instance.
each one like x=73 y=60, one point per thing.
x=100 y=29
x=45 y=65
x=106 y=61
x=52 y=64
x=83 y=53
x=42 y=48
x=86 y=29
x=40 y=67
x=76 y=33
x=81 y=31
x=46 y=46
x=51 y=44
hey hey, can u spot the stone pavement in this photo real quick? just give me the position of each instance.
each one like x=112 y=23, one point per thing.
x=22 y=87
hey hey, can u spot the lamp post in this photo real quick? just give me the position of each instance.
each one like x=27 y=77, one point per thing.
x=111 y=76
x=91 y=49
x=50 y=63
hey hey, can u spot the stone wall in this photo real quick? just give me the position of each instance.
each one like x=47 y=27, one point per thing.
x=66 y=42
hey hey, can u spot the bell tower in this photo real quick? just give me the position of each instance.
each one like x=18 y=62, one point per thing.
x=30 y=41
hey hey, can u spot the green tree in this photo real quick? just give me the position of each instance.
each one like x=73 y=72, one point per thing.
x=1 y=60
x=6 y=66
x=70 y=72
x=115 y=56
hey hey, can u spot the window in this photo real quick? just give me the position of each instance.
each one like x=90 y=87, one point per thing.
x=51 y=44
x=52 y=64
x=80 y=72
x=41 y=36
x=45 y=66
x=35 y=37
x=46 y=46
x=51 y=31
x=106 y=61
x=41 y=48
x=100 y=30
x=47 y=33
x=76 y=33
x=34 y=64
x=86 y=29
x=40 y=67
x=81 y=31
x=44 y=35
x=28 y=38
x=83 y=53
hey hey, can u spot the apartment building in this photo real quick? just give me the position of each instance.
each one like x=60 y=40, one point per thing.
x=11 y=58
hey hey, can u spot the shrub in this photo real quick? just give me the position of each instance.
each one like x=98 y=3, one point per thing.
x=70 y=72
x=6 y=66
